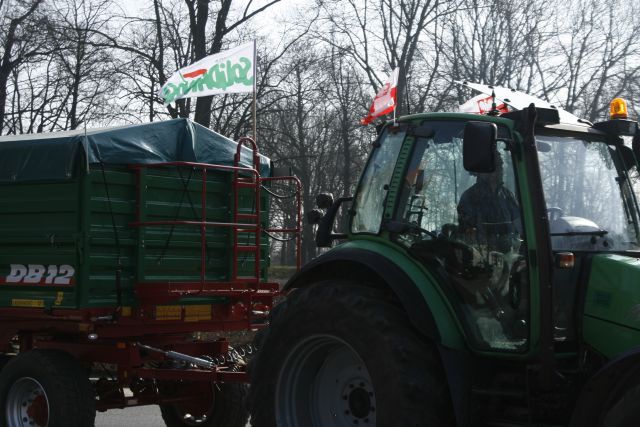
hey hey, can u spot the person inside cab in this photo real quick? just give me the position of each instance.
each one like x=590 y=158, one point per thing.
x=488 y=212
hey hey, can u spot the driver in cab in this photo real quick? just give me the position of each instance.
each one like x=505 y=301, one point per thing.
x=488 y=211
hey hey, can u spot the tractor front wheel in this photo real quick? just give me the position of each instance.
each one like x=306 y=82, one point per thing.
x=338 y=353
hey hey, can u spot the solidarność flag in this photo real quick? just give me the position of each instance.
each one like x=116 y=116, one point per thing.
x=385 y=101
x=231 y=71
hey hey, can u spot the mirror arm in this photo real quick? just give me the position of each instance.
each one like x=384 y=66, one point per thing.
x=324 y=234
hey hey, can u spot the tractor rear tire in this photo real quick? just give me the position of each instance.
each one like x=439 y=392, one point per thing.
x=626 y=412
x=226 y=407
x=46 y=388
x=338 y=353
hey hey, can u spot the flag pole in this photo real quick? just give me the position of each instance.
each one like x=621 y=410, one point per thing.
x=395 y=102
x=255 y=136
x=255 y=108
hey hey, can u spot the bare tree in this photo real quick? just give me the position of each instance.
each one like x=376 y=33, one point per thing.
x=88 y=70
x=597 y=54
x=383 y=35
x=496 y=42
x=20 y=41
x=346 y=96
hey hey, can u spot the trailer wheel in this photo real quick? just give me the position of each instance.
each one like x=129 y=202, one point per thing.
x=46 y=388
x=218 y=405
x=341 y=354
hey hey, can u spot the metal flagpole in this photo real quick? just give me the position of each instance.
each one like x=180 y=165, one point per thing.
x=255 y=109
x=395 y=101
x=394 y=113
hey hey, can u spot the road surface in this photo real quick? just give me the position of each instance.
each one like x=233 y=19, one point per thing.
x=140 y=416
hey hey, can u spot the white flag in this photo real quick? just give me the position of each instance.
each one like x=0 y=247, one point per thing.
x=483 y=104
x=231 y=71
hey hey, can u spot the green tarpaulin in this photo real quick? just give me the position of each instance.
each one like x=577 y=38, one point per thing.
x=58 y=155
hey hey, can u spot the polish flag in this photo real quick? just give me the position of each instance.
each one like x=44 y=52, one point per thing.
x=481 y=104
x=385 y=101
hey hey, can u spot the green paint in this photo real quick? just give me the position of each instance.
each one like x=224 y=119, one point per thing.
x=69 y=222
x=612 y=305
x=398 y=175
x=608 y=338
x=447 y=323
x=220 y=76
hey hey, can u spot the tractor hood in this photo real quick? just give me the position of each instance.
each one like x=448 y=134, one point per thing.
x=611 y=320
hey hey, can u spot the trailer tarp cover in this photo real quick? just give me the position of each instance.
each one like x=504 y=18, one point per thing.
x=58 y=155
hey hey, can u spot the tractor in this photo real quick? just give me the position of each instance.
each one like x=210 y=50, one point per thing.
x=489 y=275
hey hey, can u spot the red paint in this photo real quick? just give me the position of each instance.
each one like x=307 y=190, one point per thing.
x=195 y=73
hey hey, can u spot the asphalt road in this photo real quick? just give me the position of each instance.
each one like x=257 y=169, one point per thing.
x=140 y=416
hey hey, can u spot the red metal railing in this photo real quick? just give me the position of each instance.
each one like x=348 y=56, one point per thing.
x=243 y=177
x=255 y=184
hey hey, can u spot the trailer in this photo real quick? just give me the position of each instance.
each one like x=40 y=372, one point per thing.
x=121 y=251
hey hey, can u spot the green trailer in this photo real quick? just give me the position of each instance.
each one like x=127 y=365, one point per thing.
x=120 y=249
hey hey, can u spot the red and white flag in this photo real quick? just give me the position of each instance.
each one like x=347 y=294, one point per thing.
x=482 y=104
x=385 y=101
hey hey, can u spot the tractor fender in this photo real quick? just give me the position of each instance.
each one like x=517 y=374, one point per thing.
x=369 y=266
x=605 y=388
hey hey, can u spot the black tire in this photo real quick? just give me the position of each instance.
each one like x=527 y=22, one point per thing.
x=63 y=394
x=625 y=412
x=228 y=409
x=360 y=337
x=4 y=359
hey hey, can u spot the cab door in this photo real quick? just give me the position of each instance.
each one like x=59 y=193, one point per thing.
x=467 y=229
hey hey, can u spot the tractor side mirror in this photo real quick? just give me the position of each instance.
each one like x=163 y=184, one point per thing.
x=324 y=201
x=314 y=216
x=479 y=146
x=324 y=234
x=627 y=157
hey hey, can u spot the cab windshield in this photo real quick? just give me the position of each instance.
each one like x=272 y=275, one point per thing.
x=590 y=204
x=466 y=228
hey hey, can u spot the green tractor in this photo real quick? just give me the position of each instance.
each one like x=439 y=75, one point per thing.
x=489 y=276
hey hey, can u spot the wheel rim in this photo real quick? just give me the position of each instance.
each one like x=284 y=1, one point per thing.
x=325 y=382
x=27 y=404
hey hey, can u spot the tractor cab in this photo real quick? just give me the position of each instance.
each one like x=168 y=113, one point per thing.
x=460 y=199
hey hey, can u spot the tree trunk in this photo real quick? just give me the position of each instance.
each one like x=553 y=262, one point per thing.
x=198 y=33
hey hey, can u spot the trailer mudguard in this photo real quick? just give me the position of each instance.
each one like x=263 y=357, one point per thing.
x=605 y=388
x=376 y=264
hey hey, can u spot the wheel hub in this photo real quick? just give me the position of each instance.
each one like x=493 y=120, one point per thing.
x=359 y=402
x=27 y=404
x=337 y=385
